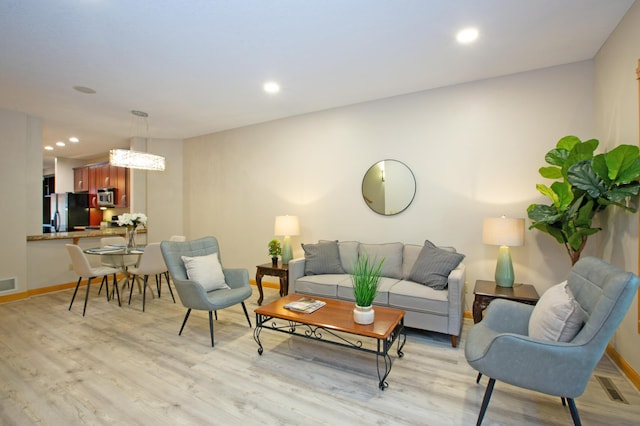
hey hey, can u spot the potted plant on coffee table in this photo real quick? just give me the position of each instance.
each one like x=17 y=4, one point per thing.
x=366 y=277
x=275 y=250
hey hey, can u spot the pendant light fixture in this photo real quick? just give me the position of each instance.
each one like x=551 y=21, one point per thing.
x=137 y=159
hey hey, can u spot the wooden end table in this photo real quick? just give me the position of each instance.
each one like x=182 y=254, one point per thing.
x=486 y=291
x=281 y=271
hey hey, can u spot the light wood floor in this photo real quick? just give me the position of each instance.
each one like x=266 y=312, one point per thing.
x=123 y=366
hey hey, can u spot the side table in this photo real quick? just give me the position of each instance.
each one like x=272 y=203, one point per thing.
x=281 y=271
x=486 y=291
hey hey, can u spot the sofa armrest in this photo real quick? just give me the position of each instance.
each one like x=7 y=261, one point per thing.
x=456 y=299
x=296 y=270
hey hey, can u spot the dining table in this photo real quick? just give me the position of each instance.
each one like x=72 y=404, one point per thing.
x=117 y=253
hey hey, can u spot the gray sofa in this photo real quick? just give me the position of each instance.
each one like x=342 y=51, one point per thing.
x=417 y=279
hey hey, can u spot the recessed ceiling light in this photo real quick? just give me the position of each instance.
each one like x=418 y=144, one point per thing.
x=60 y=143
x=74 y=139
x=271 y=87
x=85 y=90
x=467 y=35
x=48 y=148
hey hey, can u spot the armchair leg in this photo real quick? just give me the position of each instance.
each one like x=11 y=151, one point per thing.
x=480 y=377
x=244 y=308
x=485 y=400
x=574 y=412
x=454 y=341
x=186 y=317
x=211 y=326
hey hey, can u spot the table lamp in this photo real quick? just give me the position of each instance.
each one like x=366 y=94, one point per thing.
x=286 y=226
x=504 y=232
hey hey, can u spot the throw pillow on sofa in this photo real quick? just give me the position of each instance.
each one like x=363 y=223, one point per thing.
x=433 y=266
x=322 y=258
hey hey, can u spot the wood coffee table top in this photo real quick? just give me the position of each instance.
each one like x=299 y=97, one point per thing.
x=335 y=315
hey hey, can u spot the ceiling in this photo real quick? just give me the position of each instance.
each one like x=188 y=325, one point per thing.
x=198 y=66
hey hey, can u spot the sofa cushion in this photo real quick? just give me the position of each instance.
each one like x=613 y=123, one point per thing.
x=321 y=285
x=348 y=254
x=322 y=258
x=433 y=266
x=345 y=290
x=409 y=256
x=206 y=270
x=412 y=296
x=556 y=316
x=391 y=253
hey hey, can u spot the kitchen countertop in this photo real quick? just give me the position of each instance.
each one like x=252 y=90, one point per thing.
x=76 y=235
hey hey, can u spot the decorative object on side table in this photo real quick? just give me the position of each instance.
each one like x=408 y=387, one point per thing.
x=287 y=226
x=366 y=277
x=585 y=184
x=274 y=251
x=132 y=221
x=504 y=232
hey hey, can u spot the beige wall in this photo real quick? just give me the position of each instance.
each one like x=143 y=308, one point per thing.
x=475 y=150
x=616 y=94
x=20 y=189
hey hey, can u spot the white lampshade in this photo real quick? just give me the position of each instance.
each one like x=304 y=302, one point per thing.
x=503 y=231
x=286 y=226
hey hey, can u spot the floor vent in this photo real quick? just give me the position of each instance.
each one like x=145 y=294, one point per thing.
x=7 y=284
x=611 y=389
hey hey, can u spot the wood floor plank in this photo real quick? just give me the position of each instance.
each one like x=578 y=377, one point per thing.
x=118 y=365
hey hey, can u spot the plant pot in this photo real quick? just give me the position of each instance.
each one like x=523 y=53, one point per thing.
x=363 y=314
x=274 y=261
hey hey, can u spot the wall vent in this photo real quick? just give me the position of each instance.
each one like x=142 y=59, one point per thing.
x=612 y=391
x=8 y=284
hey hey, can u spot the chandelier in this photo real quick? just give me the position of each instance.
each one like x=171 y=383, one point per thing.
x=137 y=159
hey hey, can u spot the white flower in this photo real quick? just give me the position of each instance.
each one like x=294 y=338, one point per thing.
x=132 y=219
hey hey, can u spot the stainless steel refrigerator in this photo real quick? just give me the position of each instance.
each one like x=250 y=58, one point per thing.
x=69 y=210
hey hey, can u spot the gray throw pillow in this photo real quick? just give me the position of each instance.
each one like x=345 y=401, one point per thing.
x=433 y=266
x=322 y=258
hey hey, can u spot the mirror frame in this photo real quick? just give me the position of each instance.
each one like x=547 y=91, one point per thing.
x=373 y=172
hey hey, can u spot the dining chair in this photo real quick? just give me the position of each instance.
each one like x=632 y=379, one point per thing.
x=198 y=293
x=151 y=263
x=83 y=268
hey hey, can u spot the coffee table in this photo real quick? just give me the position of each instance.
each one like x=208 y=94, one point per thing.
x=331 y=322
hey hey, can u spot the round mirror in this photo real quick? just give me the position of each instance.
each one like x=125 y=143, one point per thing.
x=388 y=187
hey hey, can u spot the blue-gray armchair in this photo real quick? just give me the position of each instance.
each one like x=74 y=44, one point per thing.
x=499 y=346
x=193 y=294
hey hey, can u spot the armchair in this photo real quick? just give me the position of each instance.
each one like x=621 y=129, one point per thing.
x=192 y=293
x=500 y=348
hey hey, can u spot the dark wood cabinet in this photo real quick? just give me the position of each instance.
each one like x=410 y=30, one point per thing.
x=81 y=179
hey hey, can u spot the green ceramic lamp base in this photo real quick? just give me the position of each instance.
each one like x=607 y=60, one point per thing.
x=504 y=268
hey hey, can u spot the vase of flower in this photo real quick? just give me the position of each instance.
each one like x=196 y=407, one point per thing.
x=131 y=237
x=131 y=221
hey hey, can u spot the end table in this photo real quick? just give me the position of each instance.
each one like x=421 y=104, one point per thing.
x=486 y=291
x=281 y=271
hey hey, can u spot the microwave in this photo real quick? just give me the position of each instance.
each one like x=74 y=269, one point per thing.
x=106 y=198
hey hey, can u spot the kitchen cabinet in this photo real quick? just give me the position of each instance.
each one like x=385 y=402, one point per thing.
x=81 y=179
x=101 y=176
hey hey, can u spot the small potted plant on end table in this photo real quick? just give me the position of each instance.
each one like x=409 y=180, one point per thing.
x=366 y=277
x=275 y=250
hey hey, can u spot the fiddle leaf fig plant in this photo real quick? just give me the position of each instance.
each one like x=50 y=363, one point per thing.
x=585 y=184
